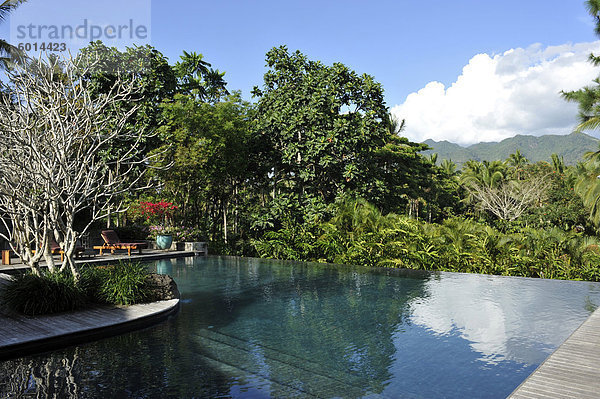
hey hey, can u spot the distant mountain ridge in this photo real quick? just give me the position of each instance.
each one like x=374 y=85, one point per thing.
x=535 y=148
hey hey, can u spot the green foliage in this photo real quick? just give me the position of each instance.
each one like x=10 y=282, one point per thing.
x=327 y=134
x=48 y=293
x=321 y=123
x=9 y=54
x=197 y=79
x=485 y=174
x=155 y=79
x=120 y=284
x=292 y=241
x=561 y=207
x=588 y=97
x=209 y=149
x=359 y=234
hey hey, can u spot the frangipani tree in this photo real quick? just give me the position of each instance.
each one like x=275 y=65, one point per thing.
x=56 y=158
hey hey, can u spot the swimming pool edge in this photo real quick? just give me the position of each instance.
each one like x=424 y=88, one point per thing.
x=571 y=370
x=52 y=342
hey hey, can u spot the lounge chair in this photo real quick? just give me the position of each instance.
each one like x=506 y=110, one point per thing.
x=112 y=242
x=55 y=248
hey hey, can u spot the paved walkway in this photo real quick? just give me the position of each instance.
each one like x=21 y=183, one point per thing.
x=572 y=371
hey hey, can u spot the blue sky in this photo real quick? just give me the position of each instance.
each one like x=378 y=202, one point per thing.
x=404 y=44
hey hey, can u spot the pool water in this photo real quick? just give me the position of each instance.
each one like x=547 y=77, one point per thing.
x=259 y=328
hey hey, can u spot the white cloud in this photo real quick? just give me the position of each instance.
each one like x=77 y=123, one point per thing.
x=504 y=318
x=499 y=96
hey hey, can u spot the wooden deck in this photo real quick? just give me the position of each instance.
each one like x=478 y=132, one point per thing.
x=20 y=335
x=148 y=254
x=572 y=371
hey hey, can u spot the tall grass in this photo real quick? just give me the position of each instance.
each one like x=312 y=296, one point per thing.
x=122 y=284
x=48 y=293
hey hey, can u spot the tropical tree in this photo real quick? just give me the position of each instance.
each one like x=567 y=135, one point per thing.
x=197 y=78
x=449 y=167
x=395 y=125
x=322 y=123
x=510 y=199
x=328 y=132
x=517 y=160
x=433 y=158
x=587 y=185
x=9 y=54
x=588 y=97
x=487 y=174
x=55 y=158
x=209 y=149
x=561 y=207
x=150 y=69
x=558 y=164
x=492 y=189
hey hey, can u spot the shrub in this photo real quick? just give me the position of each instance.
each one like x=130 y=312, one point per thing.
x=120 y=284
x=48 y=293
x=125 y=283
x=91 y=281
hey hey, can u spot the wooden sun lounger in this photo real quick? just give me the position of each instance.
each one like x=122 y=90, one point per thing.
x=55 y=248
x=112 y=243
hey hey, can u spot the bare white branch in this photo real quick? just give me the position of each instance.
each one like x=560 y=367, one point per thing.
x=511 y=199
x=63 y=150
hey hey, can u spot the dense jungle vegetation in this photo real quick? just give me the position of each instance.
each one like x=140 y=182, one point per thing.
x=317 y=169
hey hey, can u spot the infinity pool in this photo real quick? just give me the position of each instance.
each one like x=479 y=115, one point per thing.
x=258 y=328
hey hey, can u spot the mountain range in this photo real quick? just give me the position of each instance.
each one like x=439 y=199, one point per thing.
x=535 y=148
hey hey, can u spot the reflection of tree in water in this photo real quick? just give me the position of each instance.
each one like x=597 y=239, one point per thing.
x=55 y=378
x=315 y=319
x=296 y=328
x=119 y=367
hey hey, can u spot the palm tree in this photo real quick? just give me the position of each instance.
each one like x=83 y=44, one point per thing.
x=517 y=159
x=587 y=185
x=433 y=158
x=9 y=54
x=593 y=7
x=488 y=174
x=558 y=164
x=448 y=167
x=198 y=78
x=395 y=126
x=588 y=97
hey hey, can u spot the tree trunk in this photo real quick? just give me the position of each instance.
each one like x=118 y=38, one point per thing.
x=225 y=221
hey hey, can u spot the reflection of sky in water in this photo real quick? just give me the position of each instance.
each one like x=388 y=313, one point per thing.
x=505 y=318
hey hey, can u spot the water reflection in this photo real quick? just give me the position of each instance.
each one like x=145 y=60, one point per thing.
x=516 y=319
x=246 y=327
x=164 y=266
x=255 y=328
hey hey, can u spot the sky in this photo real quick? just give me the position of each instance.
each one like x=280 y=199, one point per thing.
x=464 y=70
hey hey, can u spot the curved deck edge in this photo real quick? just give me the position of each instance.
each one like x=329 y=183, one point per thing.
x=41 y=341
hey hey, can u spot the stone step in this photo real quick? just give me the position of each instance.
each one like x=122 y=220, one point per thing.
x=286 y=370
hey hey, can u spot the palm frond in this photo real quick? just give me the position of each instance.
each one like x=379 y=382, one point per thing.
x=7 y=6
x=592 y=123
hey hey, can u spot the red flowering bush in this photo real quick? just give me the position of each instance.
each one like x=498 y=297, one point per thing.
x=159 y=213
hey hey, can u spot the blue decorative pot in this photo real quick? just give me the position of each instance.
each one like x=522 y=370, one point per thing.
x=164 y=241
